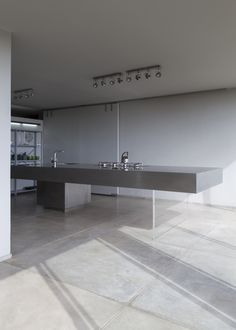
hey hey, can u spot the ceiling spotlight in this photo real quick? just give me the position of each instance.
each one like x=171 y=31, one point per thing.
x=128 y=78
x=23 y=94
x=147 y=75
x=158 y=73
x=119 y=80
x=138 y=76
x=103 y=82
x=95 y=84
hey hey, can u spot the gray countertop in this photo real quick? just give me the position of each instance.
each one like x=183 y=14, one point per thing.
x=145 y=168
x=167 y=178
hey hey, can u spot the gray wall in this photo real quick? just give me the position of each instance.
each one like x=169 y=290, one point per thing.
x=190 y=130
x=87 y=136
x=5 y=101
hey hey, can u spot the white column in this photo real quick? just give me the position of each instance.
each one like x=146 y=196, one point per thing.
x=5 y=136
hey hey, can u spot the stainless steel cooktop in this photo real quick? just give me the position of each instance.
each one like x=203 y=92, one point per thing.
x=120 y=165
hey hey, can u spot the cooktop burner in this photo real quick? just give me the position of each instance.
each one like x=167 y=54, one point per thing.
x=121 y=166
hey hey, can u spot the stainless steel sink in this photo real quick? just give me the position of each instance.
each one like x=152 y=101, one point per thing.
x=68 y=163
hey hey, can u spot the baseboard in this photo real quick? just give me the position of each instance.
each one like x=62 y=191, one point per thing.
x=8 y=256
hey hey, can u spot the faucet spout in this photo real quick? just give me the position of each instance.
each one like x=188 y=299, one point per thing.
x=125 y=157
x=54 y=159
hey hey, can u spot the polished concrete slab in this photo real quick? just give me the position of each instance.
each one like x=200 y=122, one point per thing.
x=98 y=268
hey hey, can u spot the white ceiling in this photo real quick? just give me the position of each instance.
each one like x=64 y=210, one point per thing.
x=59 y=45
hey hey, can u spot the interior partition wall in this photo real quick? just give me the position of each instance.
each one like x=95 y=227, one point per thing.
x=197 y=129
x=87 y=135
x=5 y=115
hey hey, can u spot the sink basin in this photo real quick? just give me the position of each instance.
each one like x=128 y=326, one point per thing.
x=68 y=163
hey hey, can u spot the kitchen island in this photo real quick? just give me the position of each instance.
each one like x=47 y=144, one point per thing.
x=165 y=178
x=68 y=186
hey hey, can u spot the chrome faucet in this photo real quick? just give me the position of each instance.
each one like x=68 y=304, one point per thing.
x=124 y=157
x=54 y=158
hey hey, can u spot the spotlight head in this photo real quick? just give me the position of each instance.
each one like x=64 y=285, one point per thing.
x=147 y=75
x=119 y=80
x=128 y=78
x=103 y=83
x=138 y=76
x=112 y=82
x=95 y=84
x=158 y=74
x=23 y=94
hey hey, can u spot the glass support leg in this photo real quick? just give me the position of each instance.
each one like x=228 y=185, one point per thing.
x=153 y=213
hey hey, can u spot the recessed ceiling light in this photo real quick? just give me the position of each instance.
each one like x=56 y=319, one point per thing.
x=29 y=125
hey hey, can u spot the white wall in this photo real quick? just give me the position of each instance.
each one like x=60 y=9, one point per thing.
x=189 y=130
x=5 y=99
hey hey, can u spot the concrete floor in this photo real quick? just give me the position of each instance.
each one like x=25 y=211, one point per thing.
x=98 y=268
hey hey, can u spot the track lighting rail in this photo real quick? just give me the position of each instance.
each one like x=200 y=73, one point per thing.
x=117 y=77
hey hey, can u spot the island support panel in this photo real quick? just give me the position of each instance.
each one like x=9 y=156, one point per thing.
x=63 y=196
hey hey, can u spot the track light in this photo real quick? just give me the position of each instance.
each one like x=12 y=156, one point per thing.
x=95 y=84
x=147 y=75
x=119 y=80
x=23 y=94
x=128 y=76
x=138 y=76
x=158 y=73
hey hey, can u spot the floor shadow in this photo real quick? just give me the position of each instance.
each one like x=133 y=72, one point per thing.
x=78 y=314
x=214 y=295
x=41 y=227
